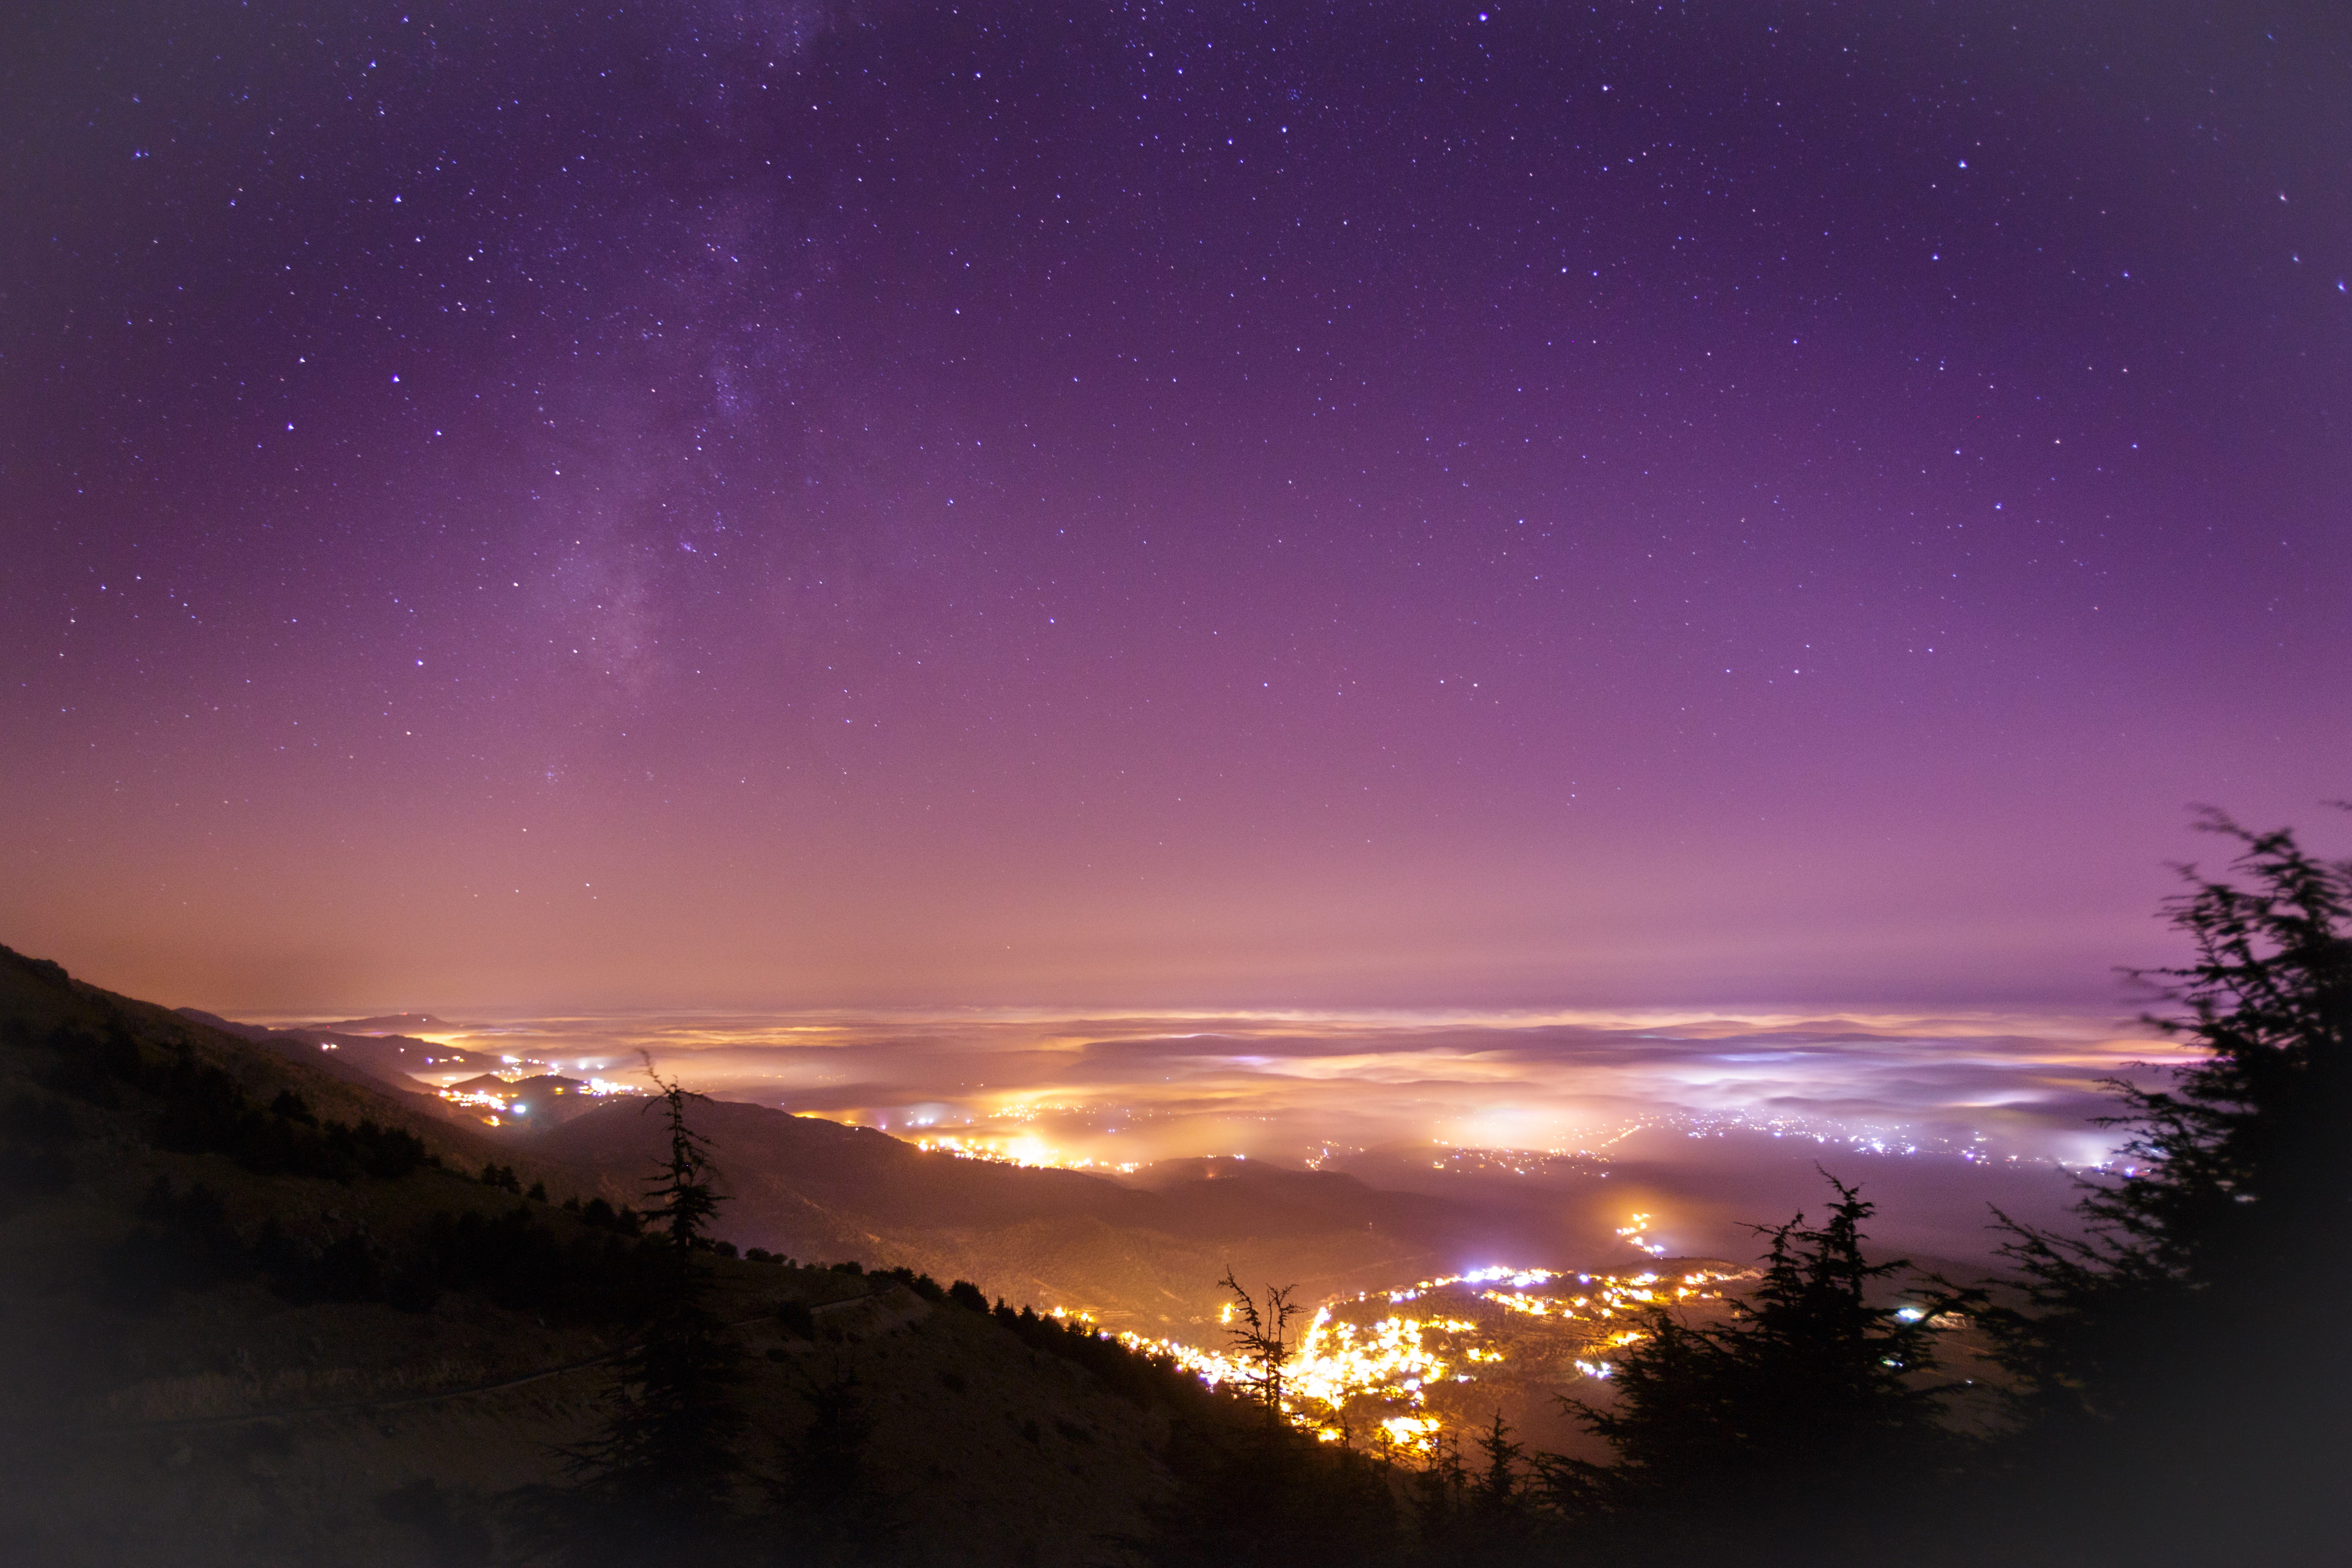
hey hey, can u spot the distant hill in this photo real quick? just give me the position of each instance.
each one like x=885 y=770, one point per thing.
x=388 y=1059
x=1143 y=1257
x=391 y=1023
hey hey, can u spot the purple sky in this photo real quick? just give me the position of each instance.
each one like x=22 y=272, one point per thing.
x=1383 y=505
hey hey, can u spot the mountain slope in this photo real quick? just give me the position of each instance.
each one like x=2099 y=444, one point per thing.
x=1146 y=1258
x=247 y=1328
x=379 y=1060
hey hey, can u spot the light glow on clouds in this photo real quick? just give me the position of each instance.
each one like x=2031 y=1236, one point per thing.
x=1114 y=1089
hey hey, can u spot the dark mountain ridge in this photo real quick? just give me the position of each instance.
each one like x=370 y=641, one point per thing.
x=1144 y=1256
x=383 y=1059
x=386 y=1024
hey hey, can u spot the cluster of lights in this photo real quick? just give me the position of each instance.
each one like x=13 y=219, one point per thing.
x=1404 y=1434
x=1514 y=1278
x=1883 y=1139
x=1483 y=1161
x=1398 y=1358
x=1638 y=1233
x=496 y=1104
x=1032 y=1152
x=1597 y=1297
x=1389 y=1359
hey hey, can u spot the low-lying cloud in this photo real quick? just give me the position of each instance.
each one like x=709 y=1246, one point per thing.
x=1701 y=1122
x=1292 y=1086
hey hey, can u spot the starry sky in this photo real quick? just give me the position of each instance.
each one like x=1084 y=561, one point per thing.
x=1160 y=506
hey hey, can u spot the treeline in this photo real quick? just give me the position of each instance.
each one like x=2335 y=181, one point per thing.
x=1139 y=1376
x=185 y=1239
x=519 y=1260
x=191 y=1107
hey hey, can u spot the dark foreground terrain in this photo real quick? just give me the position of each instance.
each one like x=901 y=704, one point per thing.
x=257 y=1313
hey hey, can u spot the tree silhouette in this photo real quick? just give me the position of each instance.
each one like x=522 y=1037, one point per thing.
x=1263 y=1336
x=1497 y=1487
x=1482 y=1514
x=1260 y=1493
x=683 y=1202
x=659 y=1483
x=1809 y=1397
x=2169 y=1343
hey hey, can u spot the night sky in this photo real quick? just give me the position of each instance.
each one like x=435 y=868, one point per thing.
x=1246 y=505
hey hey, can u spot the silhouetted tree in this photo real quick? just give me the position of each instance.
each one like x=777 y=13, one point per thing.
x=659 y=1483
x=1478 y=1514
x=1261 y=1334
x=1261 y=1492
x=1809 y=1400
x=1499 y=1484
x=2169 y=1347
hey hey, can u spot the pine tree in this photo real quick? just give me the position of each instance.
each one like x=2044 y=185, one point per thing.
x=1810 y=1400
x=659 y=1483
x=2170 y=1345
x=1472 y=1516
x=1498 y=1489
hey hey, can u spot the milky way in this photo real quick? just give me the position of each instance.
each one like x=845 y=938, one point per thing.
x=1146 y=507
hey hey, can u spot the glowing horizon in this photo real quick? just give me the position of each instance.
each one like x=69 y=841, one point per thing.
x=1122 y=1091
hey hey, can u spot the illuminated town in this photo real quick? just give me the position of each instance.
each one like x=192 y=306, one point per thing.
x=1364 y=1372
x=1021 y=1151
x=497 y=1098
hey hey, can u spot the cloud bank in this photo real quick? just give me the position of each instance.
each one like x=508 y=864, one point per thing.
x=1296 y=1087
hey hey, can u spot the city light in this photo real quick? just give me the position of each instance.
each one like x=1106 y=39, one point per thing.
x=1027 y=1149
x=1360 y=1366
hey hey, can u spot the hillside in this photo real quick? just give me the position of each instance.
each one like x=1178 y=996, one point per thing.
x=1144 y=1256
x=260 y=1313
x=1141 y=1257
x=379 y=1060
